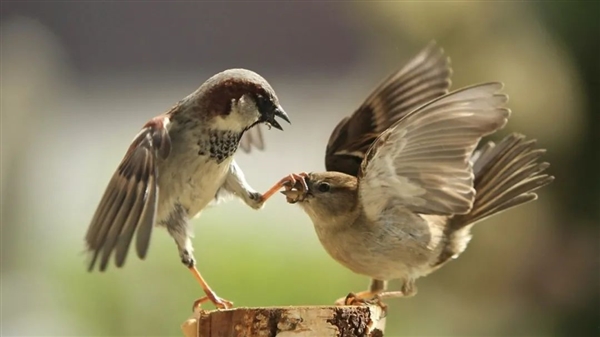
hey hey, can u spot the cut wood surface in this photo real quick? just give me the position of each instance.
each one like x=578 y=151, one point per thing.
x=304 y=321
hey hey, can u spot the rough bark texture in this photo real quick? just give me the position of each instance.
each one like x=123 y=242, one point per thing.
x=309 y=321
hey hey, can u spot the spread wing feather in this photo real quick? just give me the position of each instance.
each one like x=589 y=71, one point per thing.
x=424 y=78
x=129 y=202
x=422 y=162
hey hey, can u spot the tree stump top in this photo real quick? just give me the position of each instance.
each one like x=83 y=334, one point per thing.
x=302 y=321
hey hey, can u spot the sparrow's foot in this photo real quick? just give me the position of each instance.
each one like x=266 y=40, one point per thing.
x=367 y=298
x=216 y=300
x=348 y=300
x=371 y=298
x=361 y=298
x=291 y=181
x=210 y=294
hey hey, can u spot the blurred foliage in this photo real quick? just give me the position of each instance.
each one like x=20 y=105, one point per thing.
x=532 y=271
x=579 y=29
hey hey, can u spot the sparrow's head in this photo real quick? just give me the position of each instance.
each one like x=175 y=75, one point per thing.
x=238 y=99
x=329 y=194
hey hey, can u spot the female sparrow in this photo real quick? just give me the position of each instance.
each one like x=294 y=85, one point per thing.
x=404 y=184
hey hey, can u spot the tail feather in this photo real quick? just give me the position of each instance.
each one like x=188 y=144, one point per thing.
x=506 y=175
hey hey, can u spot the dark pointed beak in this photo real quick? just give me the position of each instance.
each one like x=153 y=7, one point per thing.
x=277 y=112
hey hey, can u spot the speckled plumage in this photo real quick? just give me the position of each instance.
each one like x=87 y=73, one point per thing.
x=179 y=163
x=219 y=145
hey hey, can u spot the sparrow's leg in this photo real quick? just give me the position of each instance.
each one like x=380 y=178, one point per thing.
x=375 y=288
x=377 y=293
x=236 y=183
x=179 y=229
x=210 y=294
x=408 y=289
x=288 y=182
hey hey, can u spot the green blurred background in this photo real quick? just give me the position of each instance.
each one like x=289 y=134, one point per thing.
x=80 y=79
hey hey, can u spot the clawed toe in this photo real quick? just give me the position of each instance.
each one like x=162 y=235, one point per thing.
x=296 y=180
x=351 y=299
x=289 y=182
x=198 y=303
x=218 y=302
x=348 y=300
x=361 y=300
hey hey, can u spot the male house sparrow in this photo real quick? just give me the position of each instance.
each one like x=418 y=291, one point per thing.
x=179 y=163
x=404 y=185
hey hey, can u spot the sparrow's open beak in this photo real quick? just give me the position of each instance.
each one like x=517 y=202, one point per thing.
x=277 y=112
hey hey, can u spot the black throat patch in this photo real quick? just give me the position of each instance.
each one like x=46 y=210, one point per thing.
x=219 y=145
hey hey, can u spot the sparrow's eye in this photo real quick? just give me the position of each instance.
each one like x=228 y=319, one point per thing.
x=263 y=103
x=324 y=187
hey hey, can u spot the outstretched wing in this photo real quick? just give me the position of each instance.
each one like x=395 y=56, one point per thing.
x=422 y=162
x=424 y=78
x=129 y=202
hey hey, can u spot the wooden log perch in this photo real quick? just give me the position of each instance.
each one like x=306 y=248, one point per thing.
x=305 y=321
